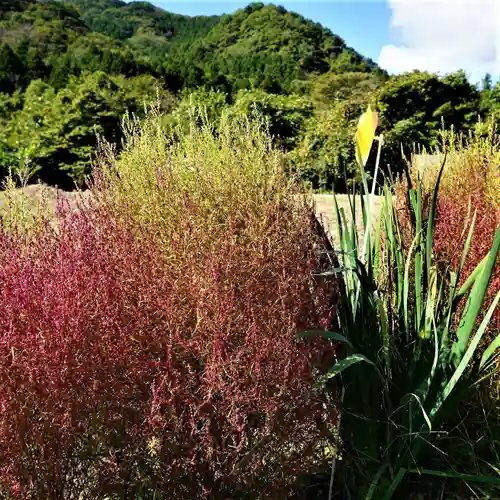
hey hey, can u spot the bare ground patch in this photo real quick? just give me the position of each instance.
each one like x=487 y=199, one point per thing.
x=325 y=210
x=324 y=205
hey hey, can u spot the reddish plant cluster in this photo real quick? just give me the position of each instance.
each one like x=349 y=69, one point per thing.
x=126 y=368
x=452 y=226
x=449 y=238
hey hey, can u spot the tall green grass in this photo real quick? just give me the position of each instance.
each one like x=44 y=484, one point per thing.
x=405 y=367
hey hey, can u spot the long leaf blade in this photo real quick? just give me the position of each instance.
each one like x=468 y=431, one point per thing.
x=345 y=363
x=457 y=375
x=323 y=334
x=431 y=220
x=475 y=301
x=493 y=347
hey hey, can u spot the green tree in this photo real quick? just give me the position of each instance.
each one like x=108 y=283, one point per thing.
x=287 y=115
x=414 y=106
x=11 y=69
x=324 y=156
x=208 y=104
x=57 y=129
x=91 y=53
x=355 y=87
x=490 y=99
x=493 y=110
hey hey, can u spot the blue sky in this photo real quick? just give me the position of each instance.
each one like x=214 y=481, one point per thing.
x=439 y=35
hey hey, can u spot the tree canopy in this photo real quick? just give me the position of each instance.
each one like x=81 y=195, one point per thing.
x=70 y=69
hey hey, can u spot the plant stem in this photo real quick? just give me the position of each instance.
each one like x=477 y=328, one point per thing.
x=334 y=461
x=370 y=201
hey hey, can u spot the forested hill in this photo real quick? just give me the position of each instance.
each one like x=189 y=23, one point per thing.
x=138 y=20
x=258 y=44
x=70 y=69
x=261 y=44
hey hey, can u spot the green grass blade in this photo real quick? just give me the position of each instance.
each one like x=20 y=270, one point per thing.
x=406 y=287
x=475 y=301
x=418 y=260
x=466 y=248
x=340 y=232
x=364 y=214
x=424 y=389
x=384 y=330
x=424 y=413
x=337 y=214
x=395 y=484
x=495 y=468
x=353 y=228
x=352 y=207
x=412 y=202
x=430 y=306
x=324 y=334
x=471 y=279
x=494 y=481
x=396 y=245
x=367 y=215
x=491 y=353
x=350 y=251
x=374 y=483
x=350 y=244
x=341 y=365
x=399 y=259
x=456 y=279
x=388 y=222
x=492 y=348
x=467 y=217
x=467 y=356
x=376 y=254
x=431 y=220
x=440 y=294
x=364 y=179
x=368 y=233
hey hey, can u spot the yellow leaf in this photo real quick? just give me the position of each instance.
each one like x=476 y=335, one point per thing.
x=365 y=134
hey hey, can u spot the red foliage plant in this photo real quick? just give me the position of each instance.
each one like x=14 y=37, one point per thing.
x=123 y=368
x=452 y=226
x=451 y=231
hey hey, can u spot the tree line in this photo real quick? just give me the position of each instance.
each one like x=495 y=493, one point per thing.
x=70 y=70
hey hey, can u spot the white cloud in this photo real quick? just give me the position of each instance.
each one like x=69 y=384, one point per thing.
x=443 y=36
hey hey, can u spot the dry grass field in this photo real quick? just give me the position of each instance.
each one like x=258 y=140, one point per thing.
x=324 y=205
x=325 y=210
x=37 y=193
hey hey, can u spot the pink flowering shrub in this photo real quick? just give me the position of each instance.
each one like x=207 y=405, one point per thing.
x=128 y=368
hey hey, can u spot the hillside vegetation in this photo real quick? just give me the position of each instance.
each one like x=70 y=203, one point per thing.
x=70 y=70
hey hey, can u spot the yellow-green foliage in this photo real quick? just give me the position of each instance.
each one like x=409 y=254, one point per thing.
x=231 y=172
x=470 y=159
x=23 y=208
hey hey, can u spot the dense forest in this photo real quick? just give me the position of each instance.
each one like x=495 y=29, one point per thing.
x=70 y=70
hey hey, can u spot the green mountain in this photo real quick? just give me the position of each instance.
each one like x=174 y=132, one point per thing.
x=123 y=21
x=262 y=45
x=266 y=43
x=70 y=69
